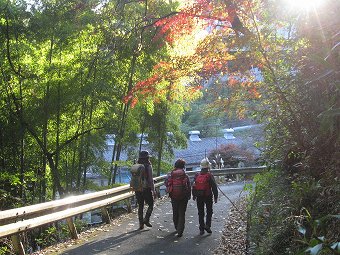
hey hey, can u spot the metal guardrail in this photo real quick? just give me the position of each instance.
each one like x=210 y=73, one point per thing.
x=15 y=221
x=226 y=171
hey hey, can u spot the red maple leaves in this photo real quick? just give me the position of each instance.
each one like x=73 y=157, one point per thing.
x=206 y=15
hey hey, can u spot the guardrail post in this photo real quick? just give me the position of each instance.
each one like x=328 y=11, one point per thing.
x=17 y=245
x=158 y=192
x=72 y=228
x=128 y=205
x=105 y=215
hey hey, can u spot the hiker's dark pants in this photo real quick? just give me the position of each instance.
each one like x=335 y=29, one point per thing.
x=208 y=203
x=144 y=196
x=178 y=213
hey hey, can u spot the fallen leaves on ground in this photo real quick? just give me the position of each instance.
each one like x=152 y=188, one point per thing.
x=234 y=236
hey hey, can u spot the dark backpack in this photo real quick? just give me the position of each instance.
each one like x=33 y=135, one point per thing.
x=177 y=185
x=202 y=184
x=138 y=177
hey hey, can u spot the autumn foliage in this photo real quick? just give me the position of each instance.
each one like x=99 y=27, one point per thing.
x=232 y=154
x=215 y=54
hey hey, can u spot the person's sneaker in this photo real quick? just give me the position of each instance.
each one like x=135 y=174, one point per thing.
x=202 y=232
x=179 y=234
x=208 y=229
x=141 y=226
x=147 y=223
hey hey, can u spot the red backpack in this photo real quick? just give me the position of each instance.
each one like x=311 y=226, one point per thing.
x=177 y=185
x=202 y=186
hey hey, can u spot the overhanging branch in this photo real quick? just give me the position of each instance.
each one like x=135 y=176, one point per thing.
x=76 y=135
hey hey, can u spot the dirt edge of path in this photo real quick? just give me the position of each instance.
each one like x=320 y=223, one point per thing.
x=234 y=236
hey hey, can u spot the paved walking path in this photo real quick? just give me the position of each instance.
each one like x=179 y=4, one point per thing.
x=161 y=239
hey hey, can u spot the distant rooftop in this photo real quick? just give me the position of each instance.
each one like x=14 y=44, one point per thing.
x=197 y=150
x=197 y=147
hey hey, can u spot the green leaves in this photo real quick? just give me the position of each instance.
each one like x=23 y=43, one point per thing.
x=315 y=249
x=64 y=71
x=301 y=230
x=330 y=113
x=336 y=246
x=316 y=243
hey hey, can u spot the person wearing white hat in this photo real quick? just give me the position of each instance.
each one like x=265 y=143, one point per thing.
x=204 y=191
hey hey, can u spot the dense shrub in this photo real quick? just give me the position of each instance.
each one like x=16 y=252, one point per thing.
x=288 y=215
x=232 y=154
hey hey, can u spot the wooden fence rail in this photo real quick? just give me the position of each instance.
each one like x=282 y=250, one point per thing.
x=15 y=221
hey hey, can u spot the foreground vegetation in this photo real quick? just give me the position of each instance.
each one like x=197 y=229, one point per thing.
x=65 y=70
x=294 y=215
x=295 y=208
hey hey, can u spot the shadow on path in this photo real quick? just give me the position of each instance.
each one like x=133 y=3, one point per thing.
x=161 y=238
x=97 y=246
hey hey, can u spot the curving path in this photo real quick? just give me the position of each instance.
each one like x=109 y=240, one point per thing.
x=160 y=239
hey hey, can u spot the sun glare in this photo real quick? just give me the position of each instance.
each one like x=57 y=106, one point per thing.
x=303 y=4
x=186 y=46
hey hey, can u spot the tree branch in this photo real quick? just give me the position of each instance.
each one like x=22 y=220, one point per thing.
x=8 y=53
x=281 y=95
x=74 y=137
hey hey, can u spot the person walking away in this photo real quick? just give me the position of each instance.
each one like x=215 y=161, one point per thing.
x=143 y=185
x=178 y=186
x=204 y=191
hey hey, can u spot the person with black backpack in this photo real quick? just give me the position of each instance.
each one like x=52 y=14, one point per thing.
x=204 y=191
x=178 y=186
x=143 y=185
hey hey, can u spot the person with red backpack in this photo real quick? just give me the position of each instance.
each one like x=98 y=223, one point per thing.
x=204 y=191
x=178 y=186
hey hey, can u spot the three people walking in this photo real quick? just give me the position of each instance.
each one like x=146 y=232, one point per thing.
x=203 y=190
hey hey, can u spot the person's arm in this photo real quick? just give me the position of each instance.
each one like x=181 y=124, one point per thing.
x=166 y=183
x=166 y=180
x=213 y=187
x=194 y=194
x=189 y=188
x=150 y=178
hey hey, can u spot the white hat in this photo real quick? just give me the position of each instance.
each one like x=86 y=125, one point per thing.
x=205 y=163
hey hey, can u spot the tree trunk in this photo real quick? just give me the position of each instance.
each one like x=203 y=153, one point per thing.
x=87 y=146
x=57 y=154
x=124 y=118
x=55 y=175
x=160 y=152
x=22 y=151
x=81 y=148
x=111 y=165
x=2 y=158
x=45 y=127
x=73 y=168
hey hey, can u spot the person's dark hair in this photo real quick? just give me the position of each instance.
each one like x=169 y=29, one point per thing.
x=205 y=170
x=180 y=163
x=144 y=154
x=145 y=161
